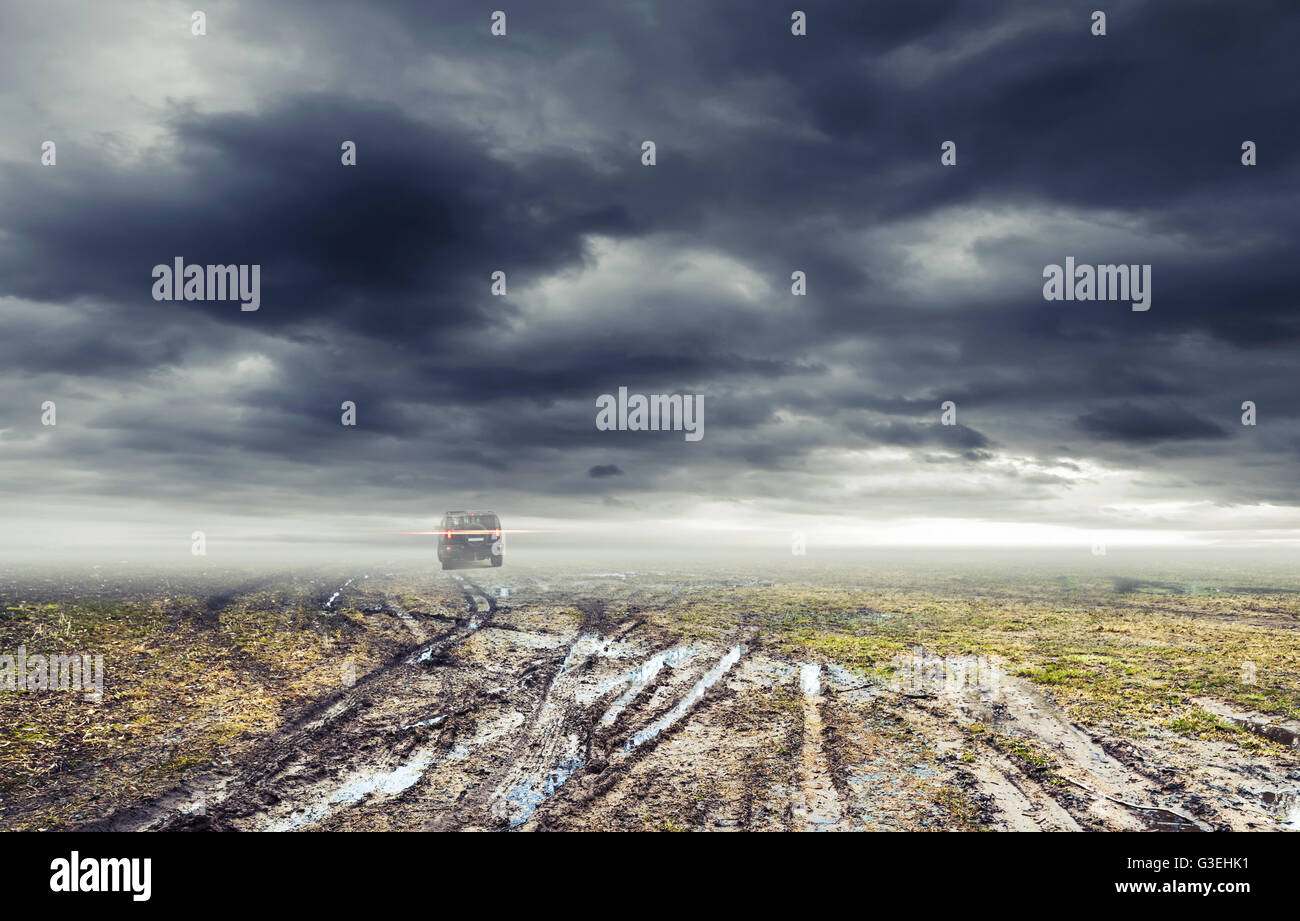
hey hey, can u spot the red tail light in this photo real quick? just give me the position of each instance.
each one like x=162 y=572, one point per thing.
x=496 y=534
x=448 y=535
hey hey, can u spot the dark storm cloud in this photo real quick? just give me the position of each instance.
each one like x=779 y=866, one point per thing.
x=925 y=433
x=1137 y=424
x=401 y=247
x=819 y=154
x=86 y=342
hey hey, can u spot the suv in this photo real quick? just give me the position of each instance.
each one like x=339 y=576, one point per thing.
x=470 y=536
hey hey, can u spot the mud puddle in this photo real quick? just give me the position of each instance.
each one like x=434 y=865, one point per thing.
x=1275 y=729
x=692 y=697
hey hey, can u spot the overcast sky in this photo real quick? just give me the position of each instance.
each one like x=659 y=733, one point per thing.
x=775 y=153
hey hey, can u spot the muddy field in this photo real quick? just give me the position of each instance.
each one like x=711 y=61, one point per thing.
x=518 y=698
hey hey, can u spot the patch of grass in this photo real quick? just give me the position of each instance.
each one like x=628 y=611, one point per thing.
x=1197 y=723
x=666 y=824
x=960 y=813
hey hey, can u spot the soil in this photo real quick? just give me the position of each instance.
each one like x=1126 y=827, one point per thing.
x=517 y=703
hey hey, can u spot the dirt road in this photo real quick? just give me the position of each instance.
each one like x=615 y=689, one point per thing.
x=570 y=704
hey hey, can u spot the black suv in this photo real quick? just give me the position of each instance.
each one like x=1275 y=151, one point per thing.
x=470 y=536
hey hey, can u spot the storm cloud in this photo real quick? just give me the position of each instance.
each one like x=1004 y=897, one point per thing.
x=775 y=154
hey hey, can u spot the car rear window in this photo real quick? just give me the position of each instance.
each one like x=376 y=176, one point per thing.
x=488 y=522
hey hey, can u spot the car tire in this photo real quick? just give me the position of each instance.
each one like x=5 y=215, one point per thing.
x=498 y=560
x=446 y=564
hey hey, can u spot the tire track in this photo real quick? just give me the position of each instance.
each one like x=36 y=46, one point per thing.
x=565 y=733
x=817 y=804
x=295 y=763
